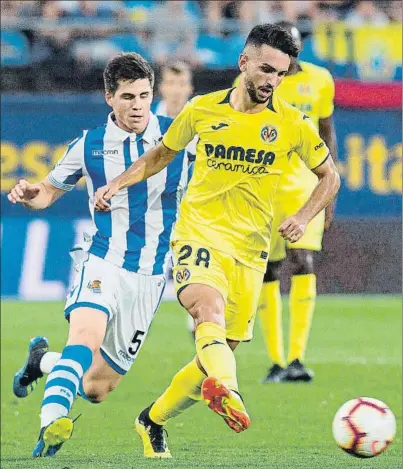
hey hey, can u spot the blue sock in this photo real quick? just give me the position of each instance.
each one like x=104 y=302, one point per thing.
x=63 y=382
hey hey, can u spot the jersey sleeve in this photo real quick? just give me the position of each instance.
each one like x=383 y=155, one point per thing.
x=310 y=147
x=182 y=129
x=69 y=169
x=191 y=149
x=327 y=97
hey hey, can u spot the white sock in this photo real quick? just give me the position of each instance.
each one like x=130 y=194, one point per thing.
x=48 y=361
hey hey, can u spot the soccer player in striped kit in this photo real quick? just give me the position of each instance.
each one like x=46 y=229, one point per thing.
x=120 y=273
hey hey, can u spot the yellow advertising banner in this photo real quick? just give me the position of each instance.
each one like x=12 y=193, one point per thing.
x=376 y=52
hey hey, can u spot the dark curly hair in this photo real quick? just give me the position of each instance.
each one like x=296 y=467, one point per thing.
x=275 y=36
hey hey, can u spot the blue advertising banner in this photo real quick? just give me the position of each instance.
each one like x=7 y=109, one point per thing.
x=370 y=162
x=36 y=129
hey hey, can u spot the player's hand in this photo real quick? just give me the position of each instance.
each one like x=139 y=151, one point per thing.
x=103 y=195
x=292 y=229
x=329 y=212
x=23 y=192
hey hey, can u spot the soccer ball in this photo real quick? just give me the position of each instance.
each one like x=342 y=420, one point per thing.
x=364 y=427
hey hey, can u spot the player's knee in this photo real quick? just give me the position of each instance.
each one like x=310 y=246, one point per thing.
x=203 y=311
x=272 y=272
x=82 y=336
x=301 y=262
x=87 y=327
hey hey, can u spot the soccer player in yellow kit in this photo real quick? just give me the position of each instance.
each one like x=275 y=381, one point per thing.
x=310 y=89
x=222 y=237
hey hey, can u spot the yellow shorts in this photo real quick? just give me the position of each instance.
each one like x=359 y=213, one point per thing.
x=313 y=235
x=238 y=284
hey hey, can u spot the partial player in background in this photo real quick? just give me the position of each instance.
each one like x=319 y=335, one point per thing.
x=175 y=88
x=222 y=236
x=121 y=270
x=311 y=89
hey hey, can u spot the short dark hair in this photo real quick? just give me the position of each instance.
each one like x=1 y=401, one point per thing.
x=274 y=36
x=291 y=28
x=126 y=67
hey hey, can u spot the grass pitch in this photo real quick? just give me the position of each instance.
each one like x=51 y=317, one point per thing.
x=355 y=350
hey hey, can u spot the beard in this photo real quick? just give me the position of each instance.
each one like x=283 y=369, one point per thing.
x=253 y=92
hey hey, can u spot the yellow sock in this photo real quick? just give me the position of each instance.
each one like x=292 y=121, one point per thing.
x=302 y=306
x=182 y=393
x=214 y=353
x=271 y=319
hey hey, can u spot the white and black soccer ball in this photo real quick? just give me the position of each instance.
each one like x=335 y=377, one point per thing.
x=364 y=427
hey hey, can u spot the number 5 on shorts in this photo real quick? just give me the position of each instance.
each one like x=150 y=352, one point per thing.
x=136 y=341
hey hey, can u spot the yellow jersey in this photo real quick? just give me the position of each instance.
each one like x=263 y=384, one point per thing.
x=240 y=158
x=311 y=90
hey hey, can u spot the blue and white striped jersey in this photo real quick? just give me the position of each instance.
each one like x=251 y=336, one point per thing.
x=160 y=108
x=135 y=234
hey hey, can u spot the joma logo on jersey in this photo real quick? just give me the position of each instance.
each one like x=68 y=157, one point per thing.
x=250 y=155
x=269 y=134
x=104 y=152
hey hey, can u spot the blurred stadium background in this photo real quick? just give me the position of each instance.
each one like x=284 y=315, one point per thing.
x=52 y=56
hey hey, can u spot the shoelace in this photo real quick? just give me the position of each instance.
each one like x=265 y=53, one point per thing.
x=78 y=416
x=157 y=437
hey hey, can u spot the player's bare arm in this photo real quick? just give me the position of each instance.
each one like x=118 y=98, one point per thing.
x=328 y=135
x=36 y=196
x=152 y=162
x=294 y=227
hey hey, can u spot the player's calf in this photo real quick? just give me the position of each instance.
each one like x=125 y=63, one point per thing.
x=100 y=380
x=96 y=391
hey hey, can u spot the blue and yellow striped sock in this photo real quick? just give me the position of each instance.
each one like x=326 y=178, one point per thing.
x=63 y=382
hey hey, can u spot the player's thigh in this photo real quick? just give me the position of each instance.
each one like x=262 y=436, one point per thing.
x=201 y=278
x=313 y=236
x=139 y=297
x=91 y=301
x=243 y=299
